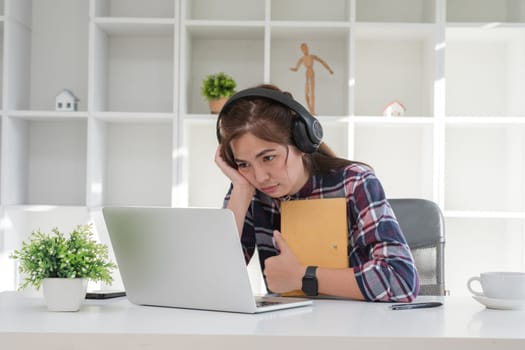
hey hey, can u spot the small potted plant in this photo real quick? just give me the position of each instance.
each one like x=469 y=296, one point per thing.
x=217 y=88
x=63 y=265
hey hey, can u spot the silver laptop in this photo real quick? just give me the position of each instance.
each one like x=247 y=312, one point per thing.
x=185 y=257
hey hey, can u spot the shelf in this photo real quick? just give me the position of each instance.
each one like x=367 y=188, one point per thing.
x=480 y=120
x=382 y=120
x=224 y=10
x=309 y=10
x=472 y=30
x=135 y=8
x=485 y=168
x=311 y=31
x=399 y=31
x=411 y=11
x=134 y=69
x=44 y=208
x=405 y=148
x=57 y=40
x=136 y=26
x=200 y=144
x=1 y=59
x=2 y=164
x=331 y=44
x=484 y=215
x=336 y=136
x=137 y=164
x=478 y=244
x=242 y=57
x=200 y=117
x=232 y=30
x=485 y=74
x=485 y=11
x=394 y=69
x=129 y=117
x=19 y=11
x=47 y=162
x=47 y=115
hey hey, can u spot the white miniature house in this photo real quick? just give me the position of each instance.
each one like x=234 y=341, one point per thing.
x=394 y=109
x=66 y=101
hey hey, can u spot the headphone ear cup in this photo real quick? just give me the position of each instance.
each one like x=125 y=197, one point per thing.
x=301 y=138
x=218 y=129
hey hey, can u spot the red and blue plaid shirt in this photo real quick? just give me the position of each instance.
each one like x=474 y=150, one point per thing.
x=378 y=252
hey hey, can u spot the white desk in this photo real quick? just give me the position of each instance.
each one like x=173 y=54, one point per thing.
x=461 y=323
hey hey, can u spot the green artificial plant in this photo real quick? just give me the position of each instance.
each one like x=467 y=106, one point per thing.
x=56 y=255
x=218 y=85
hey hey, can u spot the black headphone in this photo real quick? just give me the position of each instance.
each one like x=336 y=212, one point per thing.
x=307 y=132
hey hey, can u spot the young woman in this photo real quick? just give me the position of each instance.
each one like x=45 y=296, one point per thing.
x=270 y=148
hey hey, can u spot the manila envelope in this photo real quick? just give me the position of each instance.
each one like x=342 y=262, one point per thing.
x=316 y=230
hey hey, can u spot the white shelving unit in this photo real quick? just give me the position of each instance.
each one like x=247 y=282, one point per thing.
x=143 y=135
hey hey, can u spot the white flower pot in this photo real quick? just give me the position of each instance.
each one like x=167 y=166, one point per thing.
x=64 y=294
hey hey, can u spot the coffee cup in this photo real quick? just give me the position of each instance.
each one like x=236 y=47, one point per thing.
x=499 y=285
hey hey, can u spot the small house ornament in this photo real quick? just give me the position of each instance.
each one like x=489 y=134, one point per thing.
x=66 y=101
x=394 y=109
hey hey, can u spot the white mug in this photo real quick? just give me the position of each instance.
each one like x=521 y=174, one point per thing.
x=499 y=285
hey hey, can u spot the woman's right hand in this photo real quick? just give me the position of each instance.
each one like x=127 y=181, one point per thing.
x=231 y=173
x=242 y=192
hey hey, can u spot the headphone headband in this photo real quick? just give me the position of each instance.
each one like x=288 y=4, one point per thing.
x=307 y=132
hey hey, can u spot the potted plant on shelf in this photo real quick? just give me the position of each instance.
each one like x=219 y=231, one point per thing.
x=217 y=88
x=63 y=265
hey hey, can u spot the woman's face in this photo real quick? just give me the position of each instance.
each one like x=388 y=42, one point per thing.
x=272 y=168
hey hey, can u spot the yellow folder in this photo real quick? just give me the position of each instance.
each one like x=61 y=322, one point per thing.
x=316 y=230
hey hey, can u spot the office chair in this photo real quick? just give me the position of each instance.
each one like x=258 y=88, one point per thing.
x=423 y=225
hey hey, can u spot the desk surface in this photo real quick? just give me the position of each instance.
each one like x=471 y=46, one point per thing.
x=116 y=323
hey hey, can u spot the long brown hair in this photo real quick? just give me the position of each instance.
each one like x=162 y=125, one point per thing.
x=270 y=121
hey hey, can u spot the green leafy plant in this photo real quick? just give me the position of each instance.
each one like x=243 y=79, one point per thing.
x=56 y=255
x=218 y=85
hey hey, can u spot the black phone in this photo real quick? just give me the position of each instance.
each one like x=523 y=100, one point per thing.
x=105 y=294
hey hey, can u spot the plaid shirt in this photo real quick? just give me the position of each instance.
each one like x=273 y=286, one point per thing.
x=378 y=253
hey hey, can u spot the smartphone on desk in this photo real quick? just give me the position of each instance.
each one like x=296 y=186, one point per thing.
x=105 y=294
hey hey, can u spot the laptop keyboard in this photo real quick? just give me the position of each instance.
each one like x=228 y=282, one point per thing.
x=261 y=303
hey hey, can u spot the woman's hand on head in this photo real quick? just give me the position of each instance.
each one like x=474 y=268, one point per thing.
x=231 y=173
x=242 y=191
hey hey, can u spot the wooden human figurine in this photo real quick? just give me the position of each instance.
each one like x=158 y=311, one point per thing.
x=308 y=61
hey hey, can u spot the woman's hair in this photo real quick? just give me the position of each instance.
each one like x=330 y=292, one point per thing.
x=270 y=121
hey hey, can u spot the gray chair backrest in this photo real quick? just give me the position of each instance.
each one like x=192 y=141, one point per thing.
x=423 y=225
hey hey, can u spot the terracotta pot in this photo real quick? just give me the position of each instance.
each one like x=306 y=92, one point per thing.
x=217 y=104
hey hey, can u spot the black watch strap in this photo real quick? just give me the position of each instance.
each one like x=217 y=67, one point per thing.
x=310 y=287
x=310 y=272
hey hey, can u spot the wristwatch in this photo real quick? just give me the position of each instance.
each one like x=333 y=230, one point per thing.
x=310 y=282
